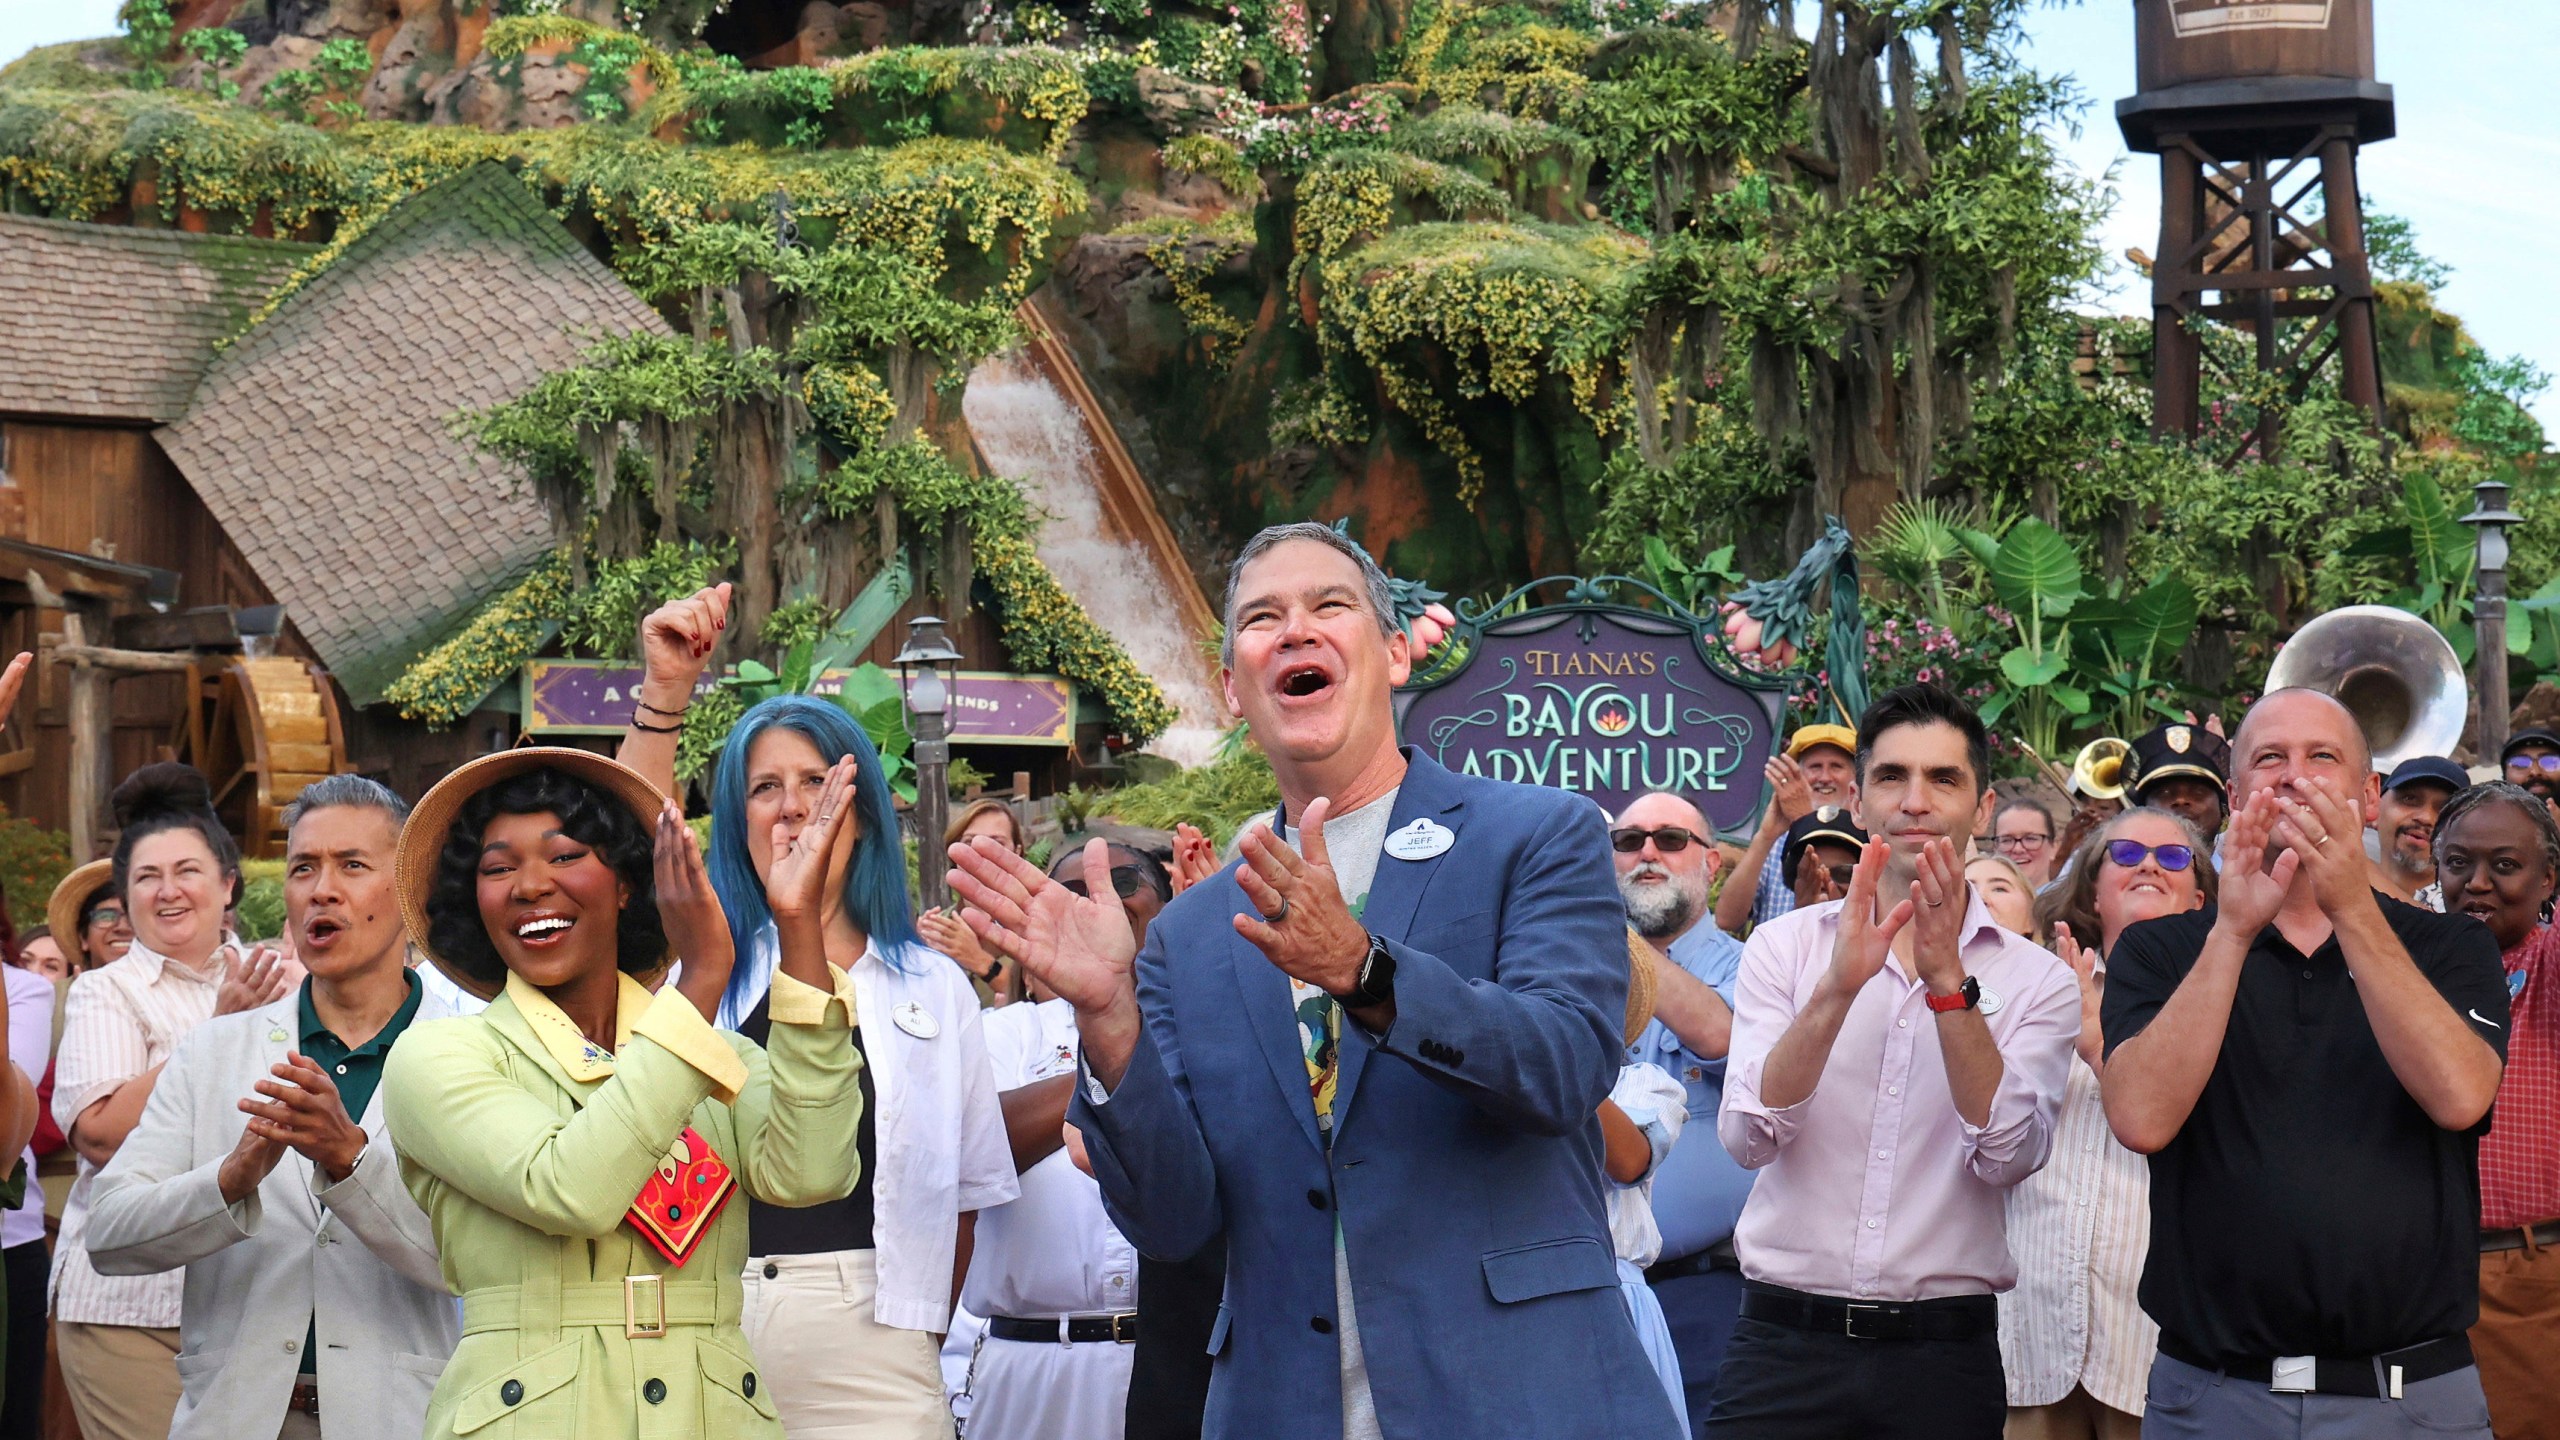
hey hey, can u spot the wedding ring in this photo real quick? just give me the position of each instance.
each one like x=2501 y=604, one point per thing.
x=1284 y=912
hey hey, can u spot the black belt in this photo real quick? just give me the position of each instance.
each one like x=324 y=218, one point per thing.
x=1083 y=1330
x=1718 y=1256
x=2372 y=1377
x=1954 y=1317
x=2546 y=1233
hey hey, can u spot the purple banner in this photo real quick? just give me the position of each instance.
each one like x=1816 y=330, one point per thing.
x=1603 y=701
x=988 y=707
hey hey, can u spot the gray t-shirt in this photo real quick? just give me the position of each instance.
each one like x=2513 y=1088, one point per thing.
x=1353 y=842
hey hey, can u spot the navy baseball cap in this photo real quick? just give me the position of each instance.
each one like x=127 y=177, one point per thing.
x=2429 y=767
x=2531 y=735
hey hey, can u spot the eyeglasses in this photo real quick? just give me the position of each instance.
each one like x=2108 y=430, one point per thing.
x=1670 y=839
x=2129 y=853
x=106 y=915
x=1124 y=878
x=2027 y=843
x=2524 y=765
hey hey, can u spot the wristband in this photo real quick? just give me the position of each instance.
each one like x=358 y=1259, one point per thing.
x=645 y=728
x=662 y=710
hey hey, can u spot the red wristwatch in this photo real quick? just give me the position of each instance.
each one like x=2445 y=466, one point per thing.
x=1967 y=996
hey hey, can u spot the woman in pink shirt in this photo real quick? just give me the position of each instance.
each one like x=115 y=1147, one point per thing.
x=2498 y=859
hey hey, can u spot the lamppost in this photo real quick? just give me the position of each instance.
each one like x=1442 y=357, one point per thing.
x=2490 y=517
x=927 y=669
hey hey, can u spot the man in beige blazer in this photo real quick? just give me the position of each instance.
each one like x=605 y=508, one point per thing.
x=314 y=1304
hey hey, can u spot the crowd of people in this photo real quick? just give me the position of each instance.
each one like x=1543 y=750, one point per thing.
x=2228 y=1106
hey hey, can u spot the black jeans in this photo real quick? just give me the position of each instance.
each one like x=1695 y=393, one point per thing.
x=22 y=1405
x=1780 y=1383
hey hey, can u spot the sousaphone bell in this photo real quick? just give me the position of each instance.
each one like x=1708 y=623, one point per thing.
x=2393 y=672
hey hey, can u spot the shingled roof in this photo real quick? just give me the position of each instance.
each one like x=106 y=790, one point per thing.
x=107 y=322
x=323 y=439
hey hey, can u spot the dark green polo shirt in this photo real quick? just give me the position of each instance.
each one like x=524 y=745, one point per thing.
x=356 y=1072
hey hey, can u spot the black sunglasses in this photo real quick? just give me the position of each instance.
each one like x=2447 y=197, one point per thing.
x=1670 y=839
x=1124 y=878
x=2129 y=853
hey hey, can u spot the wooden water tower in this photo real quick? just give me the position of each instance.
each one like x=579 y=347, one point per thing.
x=2255 y=107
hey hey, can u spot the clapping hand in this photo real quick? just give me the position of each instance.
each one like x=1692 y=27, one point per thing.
x=258 y=978
x=2319 y=823
x=1815 y=884
x=1866 y=940
x=13 y=680
x=1790 y=798
x=2254 y=881
x=304 y=1111
x=1080 y=946
x=1194 y=858
x=796 y=887
x=689 y=911
x=1937 y=919
x=2084 y=968
x=1299 y=918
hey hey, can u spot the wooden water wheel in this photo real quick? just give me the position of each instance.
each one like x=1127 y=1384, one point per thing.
x=261 y=730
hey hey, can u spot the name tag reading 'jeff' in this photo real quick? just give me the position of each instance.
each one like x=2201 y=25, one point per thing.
x=1421 y=840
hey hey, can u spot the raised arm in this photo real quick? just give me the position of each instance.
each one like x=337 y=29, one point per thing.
x=1789 y=801
x=676 y=644
x=2164 y=1037
x=2441 y=1057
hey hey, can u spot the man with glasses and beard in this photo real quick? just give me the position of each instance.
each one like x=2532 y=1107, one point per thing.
x=1666 y=858
x=2532 y=760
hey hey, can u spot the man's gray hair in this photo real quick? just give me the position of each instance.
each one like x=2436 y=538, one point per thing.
x=349 y=790
x=1373 y=580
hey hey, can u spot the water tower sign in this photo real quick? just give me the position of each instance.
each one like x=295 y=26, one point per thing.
x=2191 y=18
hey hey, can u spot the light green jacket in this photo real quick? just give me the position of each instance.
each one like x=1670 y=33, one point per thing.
x=525 y=1144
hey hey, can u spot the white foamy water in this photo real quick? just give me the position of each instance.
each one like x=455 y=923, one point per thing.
x=1026 y=429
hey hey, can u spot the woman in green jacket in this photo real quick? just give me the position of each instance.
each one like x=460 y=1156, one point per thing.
x=574 y=1145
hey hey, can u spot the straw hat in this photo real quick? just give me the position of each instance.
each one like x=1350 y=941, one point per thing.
x=62 y=912
x=1641 y=958
x=431 y=820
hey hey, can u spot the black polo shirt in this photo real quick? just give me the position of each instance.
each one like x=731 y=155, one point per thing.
x=2309 y=1206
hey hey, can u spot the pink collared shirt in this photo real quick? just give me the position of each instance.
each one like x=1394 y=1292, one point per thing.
x=1873 y=1187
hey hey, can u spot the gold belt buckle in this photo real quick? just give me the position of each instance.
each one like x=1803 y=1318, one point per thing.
x=633 y=1286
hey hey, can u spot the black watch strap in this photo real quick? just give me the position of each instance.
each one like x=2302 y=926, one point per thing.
x=1377 y=984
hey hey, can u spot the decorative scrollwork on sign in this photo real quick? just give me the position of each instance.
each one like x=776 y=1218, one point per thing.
x=1737 y=728
x=1448 y=727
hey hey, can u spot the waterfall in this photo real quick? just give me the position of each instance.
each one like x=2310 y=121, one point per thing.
x=1027 y=429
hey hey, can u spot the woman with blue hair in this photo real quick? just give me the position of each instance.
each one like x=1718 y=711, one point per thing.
x=845 y=1302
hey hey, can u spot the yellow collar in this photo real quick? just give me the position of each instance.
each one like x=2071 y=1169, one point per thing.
x=580 y=1058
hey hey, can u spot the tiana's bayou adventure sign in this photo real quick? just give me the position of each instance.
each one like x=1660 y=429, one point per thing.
x=1604 y=699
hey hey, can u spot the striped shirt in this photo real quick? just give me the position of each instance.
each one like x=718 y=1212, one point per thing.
x=1776 y=894
x=120 y=1020
x=2080 y=1228
x=2520 y=1156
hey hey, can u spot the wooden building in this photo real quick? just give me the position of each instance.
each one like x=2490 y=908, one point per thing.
x=161 y=411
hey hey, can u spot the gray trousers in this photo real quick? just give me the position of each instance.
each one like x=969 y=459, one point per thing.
x=2188 y=1403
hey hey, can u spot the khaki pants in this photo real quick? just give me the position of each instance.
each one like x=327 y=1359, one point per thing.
x=2076 y=1416
x=123 y=1380
x=836 y=1373
x=2518 y=1341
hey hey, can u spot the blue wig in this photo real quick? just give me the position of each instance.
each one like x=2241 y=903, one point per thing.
x=875 y=883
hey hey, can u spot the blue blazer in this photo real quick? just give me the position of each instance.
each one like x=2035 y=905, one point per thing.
x=1465 y=1169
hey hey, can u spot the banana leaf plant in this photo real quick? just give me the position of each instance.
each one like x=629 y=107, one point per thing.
x=2123 y=645
x=869 y=695
x=2036 y=578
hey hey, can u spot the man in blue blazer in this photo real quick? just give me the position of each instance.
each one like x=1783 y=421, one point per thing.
x=1371 y=1070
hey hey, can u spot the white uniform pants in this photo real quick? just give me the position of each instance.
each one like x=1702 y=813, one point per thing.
x=1042 y=1390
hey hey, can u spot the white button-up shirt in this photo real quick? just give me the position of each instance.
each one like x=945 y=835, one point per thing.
x=119 y=1021
x=2080 y=1228
x=942 y=1145
x=1873 y=1187
x=1054 y=1251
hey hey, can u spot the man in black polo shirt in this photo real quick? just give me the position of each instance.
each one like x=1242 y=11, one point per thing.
x=2309 y=1067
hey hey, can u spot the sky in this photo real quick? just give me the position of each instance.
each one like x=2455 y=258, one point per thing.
x=2475 y=168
